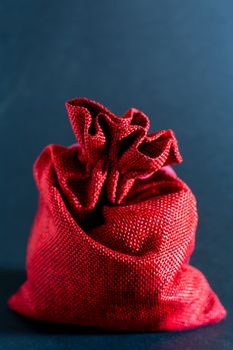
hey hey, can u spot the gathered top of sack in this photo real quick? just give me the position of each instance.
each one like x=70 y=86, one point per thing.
x=120 y=143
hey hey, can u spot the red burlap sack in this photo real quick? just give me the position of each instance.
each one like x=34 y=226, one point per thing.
x=114 y=231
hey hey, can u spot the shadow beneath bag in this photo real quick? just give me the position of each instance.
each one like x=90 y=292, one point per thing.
x=10 y=322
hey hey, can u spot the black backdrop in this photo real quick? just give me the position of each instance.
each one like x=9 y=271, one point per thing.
x=171 y=58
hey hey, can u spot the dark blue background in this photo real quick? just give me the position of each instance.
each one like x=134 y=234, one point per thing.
x=174 y=60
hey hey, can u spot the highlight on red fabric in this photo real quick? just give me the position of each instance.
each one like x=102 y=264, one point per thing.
x=114 y=231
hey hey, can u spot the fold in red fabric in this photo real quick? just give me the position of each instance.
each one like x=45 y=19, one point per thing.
x=114 y=231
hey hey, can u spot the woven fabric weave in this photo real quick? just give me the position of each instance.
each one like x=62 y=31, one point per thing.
x=114 y=231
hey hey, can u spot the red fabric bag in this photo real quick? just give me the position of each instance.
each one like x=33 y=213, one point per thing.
x=114 y=231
